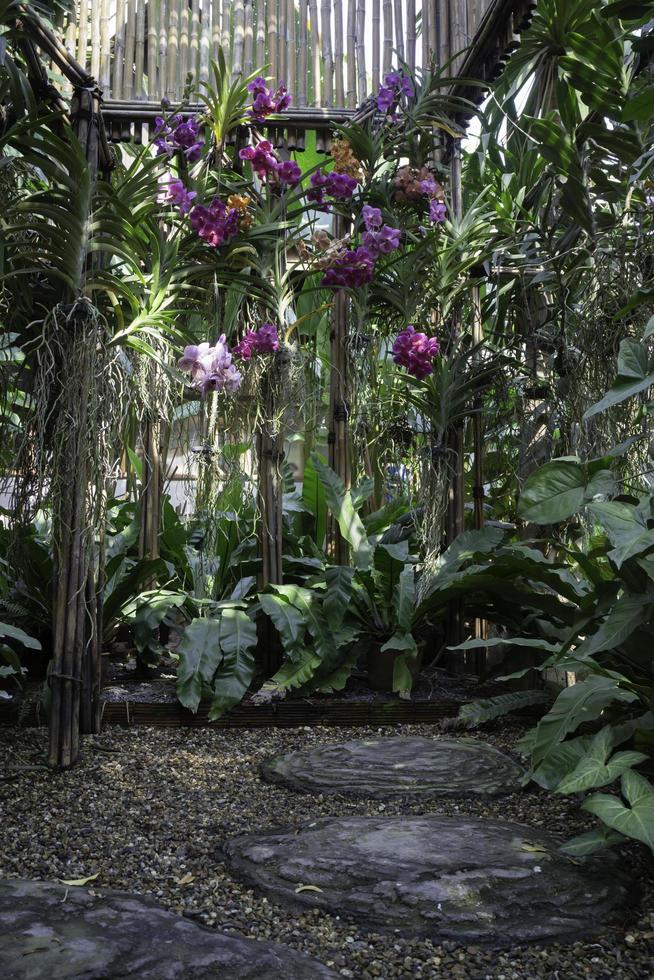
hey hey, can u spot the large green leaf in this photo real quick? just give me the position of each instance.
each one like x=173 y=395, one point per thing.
x=297 y=673
x=287 y=619
x=635 y=375
x=338 y=593
x=313 y=497
x=200 y=655
x=14 y=633
x=628 y=613
x=238 y=639
x=478 y=712
x=406 y=597
x=596 y=768
x=553 y=493
x=339 y=501
x=626 y=527
x=635 y=820
x=582 y=702
x=589 y=843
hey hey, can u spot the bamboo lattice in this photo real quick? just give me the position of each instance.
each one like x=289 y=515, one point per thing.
x=330 y=53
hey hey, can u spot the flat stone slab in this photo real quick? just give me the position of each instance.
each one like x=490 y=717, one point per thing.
x=459 y=878
x=52 y=932
x=383 y=768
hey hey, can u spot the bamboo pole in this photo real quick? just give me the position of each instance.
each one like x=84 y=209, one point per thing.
x=83 y=42
x=291 y=74
x=139 y=52
x=215 y=29
x=225 y=30
x=303 y=55
x=105 y=52
x=184 y=23
x=272 y=40
x=239 y=38
x=172 y=51
x=130 y=47
x=119 y=50
x=339 y=95
x=165 y=24
x=351 y=93
x=315 y=52
x=205 y=40
x=282 y=46
x=327 y=56
x=433 y=27
x=399 y=29
x=95 y=43
x=152 y=49
x=338 y=441
x=444 y=49
x=455 y=437
x=411 y=34
x=426 y=18
x=261 y=35
x=361 y=49
x=194 y=45
x=376 y=45
x=248 y=42
x=388 y=36
x=71 y=31
x=458 y=32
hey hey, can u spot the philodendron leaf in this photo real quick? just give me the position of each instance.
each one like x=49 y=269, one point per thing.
x=582 y=702
x=596 y=768
x=634 y=820
x=626 y=527
x=554 y=492
x=594 y=840
x=200 y=655
x=635 y=374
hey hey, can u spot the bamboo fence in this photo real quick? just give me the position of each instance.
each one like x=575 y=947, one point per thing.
x=330 y=53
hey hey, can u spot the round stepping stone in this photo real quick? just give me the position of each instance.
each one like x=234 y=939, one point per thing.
x=383 y=768
x=51 y=932
x=456 y=878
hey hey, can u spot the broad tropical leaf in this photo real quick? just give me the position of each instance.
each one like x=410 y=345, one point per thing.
x=200 y=655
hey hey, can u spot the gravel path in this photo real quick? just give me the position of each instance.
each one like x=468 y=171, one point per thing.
x=148 y=809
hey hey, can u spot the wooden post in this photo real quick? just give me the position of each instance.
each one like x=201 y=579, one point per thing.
x=151 y=488
x=411 y=34
x=338 y=438
x=72 y=535
x=455 y=443
x=478 y=658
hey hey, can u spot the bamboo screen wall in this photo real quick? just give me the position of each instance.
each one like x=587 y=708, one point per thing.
x=330 y=53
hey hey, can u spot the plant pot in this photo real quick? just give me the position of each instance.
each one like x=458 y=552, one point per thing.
x=381 y=664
